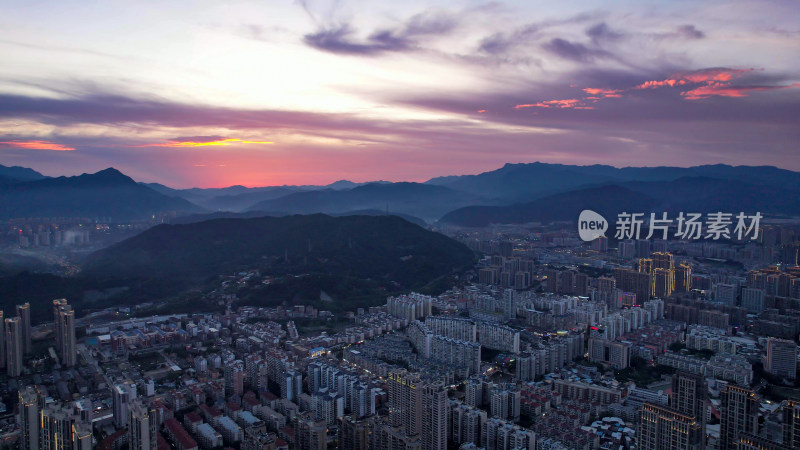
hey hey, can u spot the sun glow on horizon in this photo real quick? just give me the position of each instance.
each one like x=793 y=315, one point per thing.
x=218 y=142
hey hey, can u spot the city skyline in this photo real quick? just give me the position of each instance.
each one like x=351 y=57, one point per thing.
x=312 y=92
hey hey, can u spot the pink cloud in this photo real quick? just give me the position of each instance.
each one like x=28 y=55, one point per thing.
x=716 y=82
x=36 y=145
x=717 y=89
x=708 y=76
x=598 y=93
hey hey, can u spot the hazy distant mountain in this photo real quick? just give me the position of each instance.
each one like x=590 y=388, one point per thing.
x=366 y=247
x=688 y=194
x=342 y=184
x=17 y=174
x=247 y=200
x=510 y=185
x=243 y=201
x=239 y=198
x=171 y=192
x=521 y=182
x=421 y=200
x=606 y=200
x=704 y=194
x=199 y=195
x=107 y=193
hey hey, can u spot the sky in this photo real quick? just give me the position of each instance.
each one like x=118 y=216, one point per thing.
x=212 y=94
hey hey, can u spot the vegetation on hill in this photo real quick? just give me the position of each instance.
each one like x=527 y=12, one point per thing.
x=352 y=257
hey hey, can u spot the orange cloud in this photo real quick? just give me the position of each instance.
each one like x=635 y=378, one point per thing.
x=723 y=90
x=657 y=84
x=36 y=145
x=700 y=84
x=481 y=111
x=565 y=103
x=700 y=76
x=598 y=93
x=218 y=142
x=711 y=75
x=575 y=103
x=710 y=83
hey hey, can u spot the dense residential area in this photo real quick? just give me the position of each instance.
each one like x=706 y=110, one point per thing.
x=548 y=342
x=399 y=225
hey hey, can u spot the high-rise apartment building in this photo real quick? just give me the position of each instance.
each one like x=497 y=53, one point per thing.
x=142 y=427
x=291 y=385
x=434 y=416
x=726 y=293
x=791 y=423
x=354 y=433
x=309 y=433
x=626 y=250
x=122 y=395
x=662 y=282
x=663 y=428
x=639 y=283
x=690 y=395
x=28 y=418
x=617 y=354
x=663 y=260
x=645 y=265
x=467 y=424
x=661 y=267
x=681 y=425
x=61 y=429
x=781 y=358
x=13 y=338
x=405 y=402
x=683 y=278
x=418 y=409
x=2 y=340
x=643 y=248
x=64 y=324
x=24 y=314
x=739 y=414
x=753 y=300
x=600 y=244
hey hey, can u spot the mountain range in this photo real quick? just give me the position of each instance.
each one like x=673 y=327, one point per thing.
x=15 y=174
x=107 y=194
x=514 y=183
x=240 y=198
x=687 y=194
x=417 y=199
x=514 y=193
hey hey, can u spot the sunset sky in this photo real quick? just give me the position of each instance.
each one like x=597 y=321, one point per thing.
x=212 y=93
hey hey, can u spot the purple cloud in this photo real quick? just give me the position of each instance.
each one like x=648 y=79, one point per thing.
x=342 y=38
x=602 y=32
x=690 y=32
x=501 y=43
x=574 y=51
